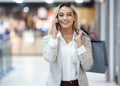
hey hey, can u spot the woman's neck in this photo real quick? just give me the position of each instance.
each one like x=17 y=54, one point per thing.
x=67 y=34
x=66 y=31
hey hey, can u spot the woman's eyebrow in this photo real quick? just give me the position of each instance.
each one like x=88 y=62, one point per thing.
x=63 y=12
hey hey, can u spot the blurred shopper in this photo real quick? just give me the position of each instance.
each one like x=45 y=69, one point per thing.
x=69 y=54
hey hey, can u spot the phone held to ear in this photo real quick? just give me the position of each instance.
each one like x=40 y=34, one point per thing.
x=57 y=25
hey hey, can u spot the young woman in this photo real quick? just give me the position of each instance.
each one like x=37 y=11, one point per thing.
x=68 y=50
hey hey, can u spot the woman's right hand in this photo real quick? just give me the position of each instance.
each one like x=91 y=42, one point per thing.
x=55 y=29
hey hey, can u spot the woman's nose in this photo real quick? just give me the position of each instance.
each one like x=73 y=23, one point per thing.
x=65 y=17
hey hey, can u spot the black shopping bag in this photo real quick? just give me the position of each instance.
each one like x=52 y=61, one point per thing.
x=99 y=56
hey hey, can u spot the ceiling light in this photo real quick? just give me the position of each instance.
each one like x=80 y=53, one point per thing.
x=49 y=1
x=26 y=9
x=18 y=1
x=79 y=1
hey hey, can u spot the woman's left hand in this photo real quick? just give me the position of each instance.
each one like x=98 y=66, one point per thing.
x=78 y=38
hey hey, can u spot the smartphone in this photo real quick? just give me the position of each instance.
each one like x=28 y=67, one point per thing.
x=57 y=25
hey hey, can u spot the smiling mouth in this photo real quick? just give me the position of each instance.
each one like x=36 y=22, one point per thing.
x=65 y=23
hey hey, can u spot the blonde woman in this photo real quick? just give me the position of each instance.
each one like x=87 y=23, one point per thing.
x=69 y=54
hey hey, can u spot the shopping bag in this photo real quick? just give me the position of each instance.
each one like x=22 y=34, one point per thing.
x=99 y=57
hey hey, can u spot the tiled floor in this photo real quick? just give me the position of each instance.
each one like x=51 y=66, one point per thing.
x=33 y=70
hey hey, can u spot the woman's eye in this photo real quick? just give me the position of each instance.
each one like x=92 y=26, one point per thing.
x=69 y=14
x=60 y=15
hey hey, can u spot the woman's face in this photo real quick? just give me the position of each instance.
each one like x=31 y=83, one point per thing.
x=66 y=17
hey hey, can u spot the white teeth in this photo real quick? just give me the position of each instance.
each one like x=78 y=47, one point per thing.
x=65 y=22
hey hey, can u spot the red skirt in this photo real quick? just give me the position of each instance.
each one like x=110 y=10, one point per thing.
x=69 y=83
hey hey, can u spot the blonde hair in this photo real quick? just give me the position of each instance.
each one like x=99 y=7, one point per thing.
x=76 y=25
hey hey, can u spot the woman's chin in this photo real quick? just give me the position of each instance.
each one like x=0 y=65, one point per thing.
x=65 y=26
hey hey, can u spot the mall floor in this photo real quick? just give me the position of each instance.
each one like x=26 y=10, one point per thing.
x=33 y=70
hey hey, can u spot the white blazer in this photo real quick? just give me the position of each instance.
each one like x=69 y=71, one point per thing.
x=51 y=55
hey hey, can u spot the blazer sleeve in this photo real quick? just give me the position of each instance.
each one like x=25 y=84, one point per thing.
x=49 y=48
x=86 y=57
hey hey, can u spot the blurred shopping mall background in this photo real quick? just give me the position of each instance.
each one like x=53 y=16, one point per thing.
x=23 y=23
